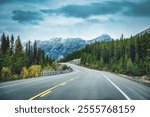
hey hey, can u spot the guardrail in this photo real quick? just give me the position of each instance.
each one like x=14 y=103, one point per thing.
x=49 y=73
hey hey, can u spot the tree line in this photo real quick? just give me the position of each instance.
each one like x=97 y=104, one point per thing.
x=17 y=61
x=125 y=55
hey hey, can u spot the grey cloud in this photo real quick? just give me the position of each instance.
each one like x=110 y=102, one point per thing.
x=93 y=21
x=27 y=17
x=125 y=8
x=23 y=1
x=138 y=9
x=85 y=11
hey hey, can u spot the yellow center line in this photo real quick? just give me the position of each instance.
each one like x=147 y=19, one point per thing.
x=63 y=83
x=72 y=79
x=42 y=94
x=45 y=93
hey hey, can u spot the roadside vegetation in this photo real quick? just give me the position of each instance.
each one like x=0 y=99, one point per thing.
x=17 y=62
x=126 y=56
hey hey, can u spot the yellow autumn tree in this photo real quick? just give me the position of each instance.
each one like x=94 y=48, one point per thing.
x=35 y=70
x=24 y=72
x=6 y=73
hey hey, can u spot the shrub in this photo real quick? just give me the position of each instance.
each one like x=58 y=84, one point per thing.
x=55 y=65
x=35 y=70
x=24 y=72
x=63 y=67
x=6 y=73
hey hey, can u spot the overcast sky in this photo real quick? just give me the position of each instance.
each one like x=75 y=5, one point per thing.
x=87 y=19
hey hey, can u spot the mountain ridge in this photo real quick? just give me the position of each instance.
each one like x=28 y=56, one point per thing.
x=143 y=32
x=58 y=48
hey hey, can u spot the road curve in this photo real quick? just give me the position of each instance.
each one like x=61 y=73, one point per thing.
x=81 y=84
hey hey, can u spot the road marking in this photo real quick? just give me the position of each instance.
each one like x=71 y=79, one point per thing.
x=72 y=79
x=63 y=83
x=22 y=83
x=15 y=84
x=44 y=93
x=116 y=87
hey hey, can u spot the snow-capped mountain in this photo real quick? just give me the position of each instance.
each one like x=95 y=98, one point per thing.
x=58 y=48
x=102 y=38
x=143 y=32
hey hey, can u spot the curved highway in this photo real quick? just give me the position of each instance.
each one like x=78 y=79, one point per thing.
x=81 y=84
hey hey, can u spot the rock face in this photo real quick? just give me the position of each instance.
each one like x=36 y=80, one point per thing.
x=58 y=48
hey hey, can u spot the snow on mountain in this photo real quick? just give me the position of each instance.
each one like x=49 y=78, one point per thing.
x=102 y=38
x=143 y=32
x=57 y=48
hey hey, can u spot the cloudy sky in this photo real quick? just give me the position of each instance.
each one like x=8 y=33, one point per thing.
x=87 y=19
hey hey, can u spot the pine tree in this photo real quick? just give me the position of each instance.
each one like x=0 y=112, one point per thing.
x=18 y=47
x=35 y=52
x=12 y=44
x=19 y=60
x=7 y=43
x=129 y=56
x=4 y=43
x=15 y=62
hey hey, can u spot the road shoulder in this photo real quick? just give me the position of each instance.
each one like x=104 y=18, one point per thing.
x=139 y=79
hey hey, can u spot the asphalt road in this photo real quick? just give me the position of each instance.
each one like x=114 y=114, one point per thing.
x=81 y=84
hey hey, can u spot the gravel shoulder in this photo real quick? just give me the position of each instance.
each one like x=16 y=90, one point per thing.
x=141 y=79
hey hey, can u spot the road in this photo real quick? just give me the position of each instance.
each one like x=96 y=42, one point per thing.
x=81 y=84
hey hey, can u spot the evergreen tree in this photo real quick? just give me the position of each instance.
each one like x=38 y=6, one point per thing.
x=18 y=63
x=130 y=56
x=35 y=52
x=18 y=47
x=7 y=43
x=12 y=44
x=3 y=43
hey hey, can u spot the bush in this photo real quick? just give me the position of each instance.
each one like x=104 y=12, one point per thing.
x=24 y=72
x=55 y=65
x=35 y=70
x=5 y=73
x=129 y=68
x=135 y=70
x=64 y=67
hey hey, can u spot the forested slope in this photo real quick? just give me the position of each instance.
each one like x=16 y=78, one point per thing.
x=129 y=56
x=16 y=63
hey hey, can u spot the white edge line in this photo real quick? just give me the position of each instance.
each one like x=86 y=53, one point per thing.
x=117 y=87
x=15 y=84
x=23 y=83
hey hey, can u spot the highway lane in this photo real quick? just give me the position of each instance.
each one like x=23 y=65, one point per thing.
x=25 y=89
x=82 y=83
